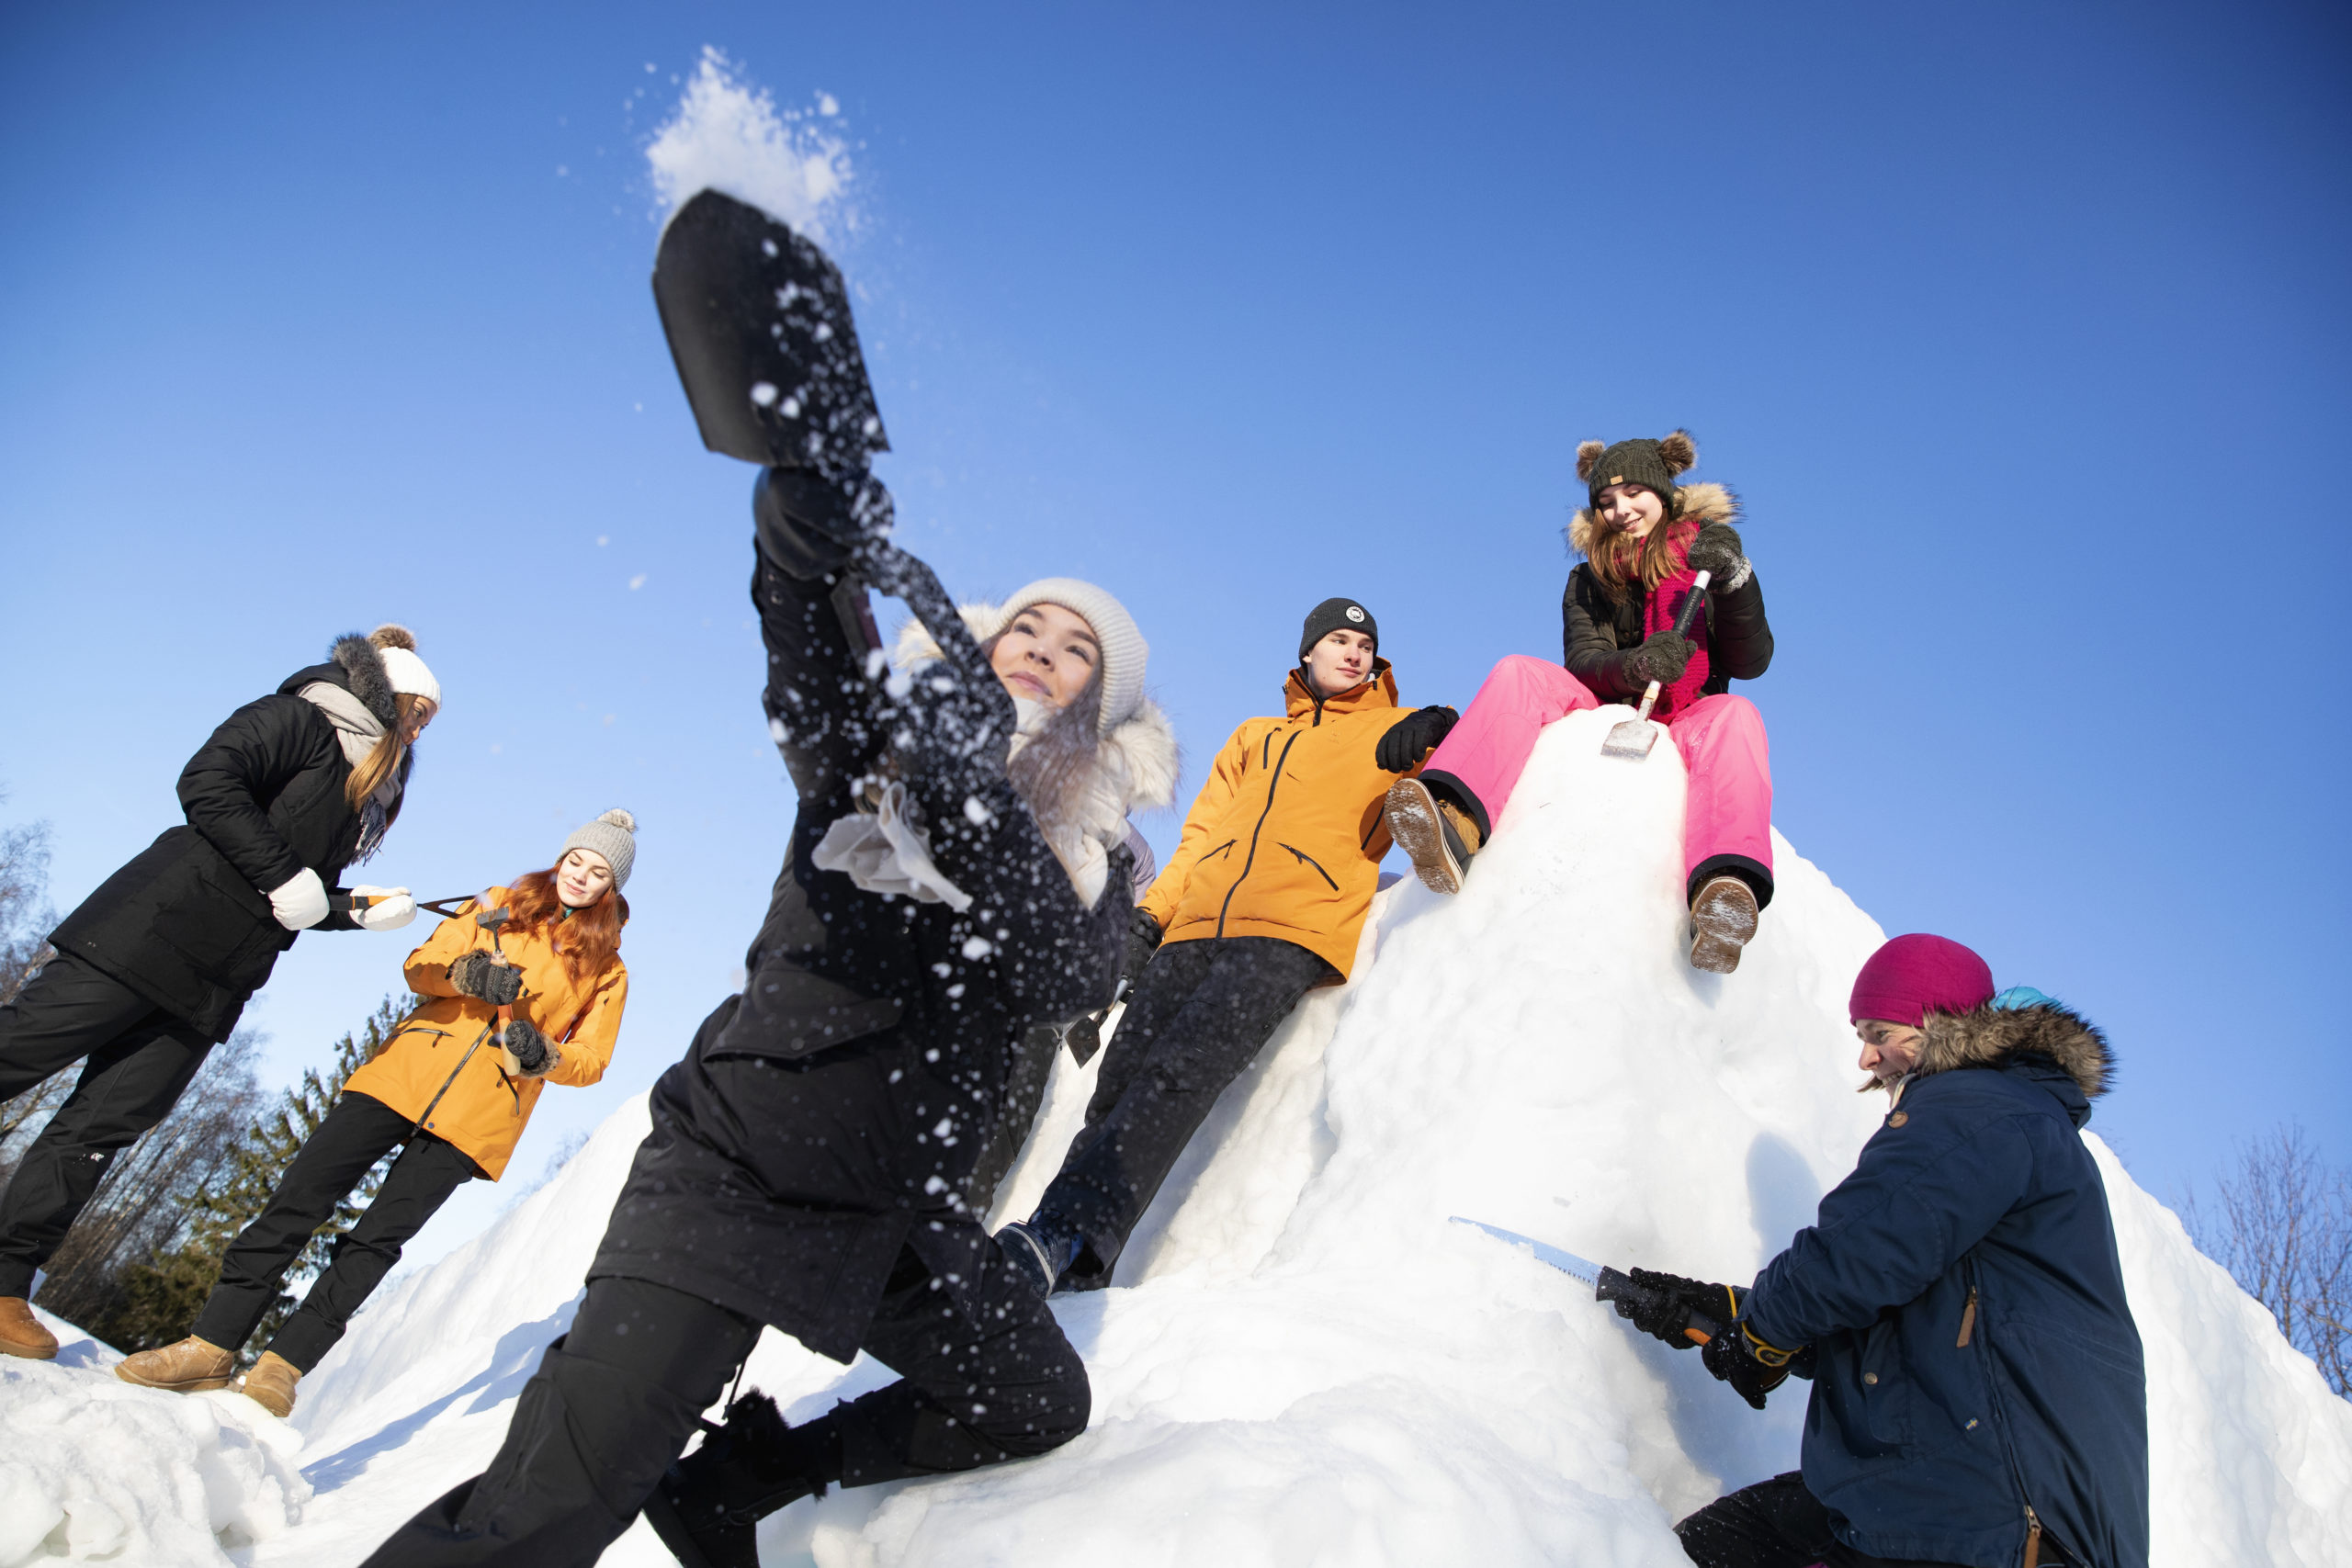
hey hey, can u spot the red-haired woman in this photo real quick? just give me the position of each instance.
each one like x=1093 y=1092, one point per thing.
x=447 y=1087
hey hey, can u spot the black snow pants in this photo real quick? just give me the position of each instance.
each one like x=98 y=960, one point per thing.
x=1778 y=1524
x=615 y=1399
x=139 y=1060
x=356 y=1133
x=1198 y=1017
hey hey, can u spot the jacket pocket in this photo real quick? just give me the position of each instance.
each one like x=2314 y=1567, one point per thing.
x=1885 y=1387
x=219 y=932
x=1309 y=860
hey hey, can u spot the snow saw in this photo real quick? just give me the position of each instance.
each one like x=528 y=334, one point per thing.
x=1631 y=739
x=1608 y=1284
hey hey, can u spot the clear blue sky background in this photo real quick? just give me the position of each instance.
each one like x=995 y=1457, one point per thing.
x=2020 y=328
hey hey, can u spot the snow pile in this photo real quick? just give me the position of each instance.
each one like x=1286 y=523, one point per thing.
x=727 y=135
x=92 y=1468
x=1303 y=1363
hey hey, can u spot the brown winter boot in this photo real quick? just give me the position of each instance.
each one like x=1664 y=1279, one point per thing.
x=21 y=1333
x=270 y=1385
x=1436 y=835
x=1722 y=920
x=191 y=1366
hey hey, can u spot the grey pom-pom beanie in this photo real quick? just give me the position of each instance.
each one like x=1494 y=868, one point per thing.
x=613 y=835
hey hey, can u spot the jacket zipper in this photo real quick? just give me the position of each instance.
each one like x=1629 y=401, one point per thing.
x=2001 y=1421
x=1274 y=785
x=1967 y=1322
x=426 y=1115
x=1310 y=860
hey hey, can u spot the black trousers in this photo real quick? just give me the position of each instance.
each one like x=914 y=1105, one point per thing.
x=1197 y=1019
x=1778 y=1524
x=356 y=1133
x=615 y=1401
x=139 y=1060
x=1024 y=1089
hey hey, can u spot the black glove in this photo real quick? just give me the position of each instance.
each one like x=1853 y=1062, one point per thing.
x=1752 y=1368
x=1662 y=657
x=1143 y=940
x=532 y=1053
x=809 y=523
x=1664 y=1310
x=478 y=975
x=1717 y=552
x=1412 y=737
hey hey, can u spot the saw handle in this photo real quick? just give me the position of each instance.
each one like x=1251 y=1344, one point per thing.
x=1684 y=619
x=1698 y=1328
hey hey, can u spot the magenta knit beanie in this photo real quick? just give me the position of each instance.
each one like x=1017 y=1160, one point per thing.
x=1914 y=976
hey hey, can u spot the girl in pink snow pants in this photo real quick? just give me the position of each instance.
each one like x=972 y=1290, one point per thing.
x=1643 y=539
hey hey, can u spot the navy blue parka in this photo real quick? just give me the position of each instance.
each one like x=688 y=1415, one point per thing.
x=1977 y=1369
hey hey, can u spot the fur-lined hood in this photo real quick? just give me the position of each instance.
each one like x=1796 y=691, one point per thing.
x=1141 y=752
x=1988 y=1036
x=1702 y=503
x=363 y=668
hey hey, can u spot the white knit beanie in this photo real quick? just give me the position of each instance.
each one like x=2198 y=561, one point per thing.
x=396 y=645
x=613 y=835
x=1125 y=653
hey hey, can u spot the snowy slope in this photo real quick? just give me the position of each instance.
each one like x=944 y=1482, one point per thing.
x=1303 y=1363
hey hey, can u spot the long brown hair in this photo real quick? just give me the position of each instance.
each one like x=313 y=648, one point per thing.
x=587 y=938
x=1612 y=556
x=385 y=760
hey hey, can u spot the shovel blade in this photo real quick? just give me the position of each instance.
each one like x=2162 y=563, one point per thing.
x=1631 y=740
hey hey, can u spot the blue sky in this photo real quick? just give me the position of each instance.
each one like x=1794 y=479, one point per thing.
x=2019 y=329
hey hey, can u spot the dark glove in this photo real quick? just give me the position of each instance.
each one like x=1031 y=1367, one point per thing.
x=1143 y=940
x=1662 y=657
x=1664 y=1310
x=1717 y=552
x=530 y=1048
x=810 y=525
x=1413 y=737
x=1752 y=1368
x=477 y=974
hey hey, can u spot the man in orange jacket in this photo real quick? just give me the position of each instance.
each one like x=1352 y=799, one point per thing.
x=1263 y=899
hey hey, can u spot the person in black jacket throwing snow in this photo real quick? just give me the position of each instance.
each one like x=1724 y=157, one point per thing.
x=958 y=875
x=155 y=967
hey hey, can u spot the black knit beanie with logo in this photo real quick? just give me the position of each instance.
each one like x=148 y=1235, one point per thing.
x=1337 y=615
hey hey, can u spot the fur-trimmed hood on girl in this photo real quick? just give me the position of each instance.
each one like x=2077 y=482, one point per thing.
x=1702 y=503
x=1988 y=1036
x=1081 y=802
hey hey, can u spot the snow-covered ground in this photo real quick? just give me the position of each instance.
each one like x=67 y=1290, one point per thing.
x=1301 y=1362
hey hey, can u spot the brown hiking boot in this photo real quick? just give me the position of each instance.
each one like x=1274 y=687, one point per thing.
x=21 y=1333
x=1436 y=835
x=191 y=1366
x=1722 y=920
x=270 y=1385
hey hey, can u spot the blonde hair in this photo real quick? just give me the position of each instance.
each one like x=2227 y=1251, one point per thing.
x=385 y=760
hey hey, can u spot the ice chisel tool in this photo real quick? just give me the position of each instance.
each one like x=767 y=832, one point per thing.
x=1632 y=739
x=1608 y=1284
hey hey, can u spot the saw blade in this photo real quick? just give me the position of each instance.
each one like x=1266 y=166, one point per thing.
x=1566 y=1262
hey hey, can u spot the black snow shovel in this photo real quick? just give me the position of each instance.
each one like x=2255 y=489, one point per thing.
x=1632 y=740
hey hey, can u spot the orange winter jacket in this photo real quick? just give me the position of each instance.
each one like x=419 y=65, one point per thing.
x=1286 y=836
x=479 y=1106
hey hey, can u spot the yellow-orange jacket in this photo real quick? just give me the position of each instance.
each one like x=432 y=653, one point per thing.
x=482 y=1107
x=1285 y=839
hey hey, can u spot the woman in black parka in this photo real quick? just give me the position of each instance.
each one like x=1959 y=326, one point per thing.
x=811 y=1159
x=155 y=967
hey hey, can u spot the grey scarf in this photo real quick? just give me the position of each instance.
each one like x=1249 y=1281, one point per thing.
x=357 y=730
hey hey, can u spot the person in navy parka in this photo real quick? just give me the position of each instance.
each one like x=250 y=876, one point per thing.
x=1978 y=1392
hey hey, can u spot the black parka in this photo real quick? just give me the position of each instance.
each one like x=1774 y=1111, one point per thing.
x=833 y=1113
x=187 y=924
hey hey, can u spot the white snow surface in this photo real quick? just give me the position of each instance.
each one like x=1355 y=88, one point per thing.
x=1301 y=1361
x=727 y=135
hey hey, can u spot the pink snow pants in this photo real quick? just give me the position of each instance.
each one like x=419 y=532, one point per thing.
x=1721 y=738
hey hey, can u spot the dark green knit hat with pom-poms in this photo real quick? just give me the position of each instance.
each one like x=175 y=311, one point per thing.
x=1638 y=462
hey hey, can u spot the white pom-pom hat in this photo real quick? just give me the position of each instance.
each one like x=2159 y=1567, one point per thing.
x=613 y=835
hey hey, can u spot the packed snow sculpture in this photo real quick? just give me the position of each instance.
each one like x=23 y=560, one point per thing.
x=1301 y=1362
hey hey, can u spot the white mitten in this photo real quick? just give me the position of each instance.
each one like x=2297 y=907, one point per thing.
x=392 y=908
x=302 y=903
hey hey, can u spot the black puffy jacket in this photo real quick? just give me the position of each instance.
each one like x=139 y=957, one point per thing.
x=1599 y=633
x=187 y=924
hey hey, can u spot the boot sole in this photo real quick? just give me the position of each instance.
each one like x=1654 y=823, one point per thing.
x=183 y=1385
x=1722 y=922
x=29 y=1352
x=1419 y=831
x=283 y=1412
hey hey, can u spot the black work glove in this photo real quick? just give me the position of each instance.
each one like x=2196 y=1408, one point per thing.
x=1752 y=1368
x=530 y=1048
x=811 y=524
x=1666 y=1311
x=1143 y=940
x=477 y=974
x=1717 y=552
x=1412 y=737
x=1661 y=657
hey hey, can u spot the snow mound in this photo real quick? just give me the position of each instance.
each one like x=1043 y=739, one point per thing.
x=1303 y=1363
x=92 y=1468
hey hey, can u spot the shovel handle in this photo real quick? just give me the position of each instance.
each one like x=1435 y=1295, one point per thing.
x=1688 y=614
x=1698 y=1327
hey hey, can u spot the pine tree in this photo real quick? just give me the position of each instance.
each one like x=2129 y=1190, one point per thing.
x=162 y=1296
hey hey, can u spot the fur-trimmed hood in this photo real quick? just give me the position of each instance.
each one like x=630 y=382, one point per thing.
x=1702 y=503
x=363 y=667
x=1988 y=1036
